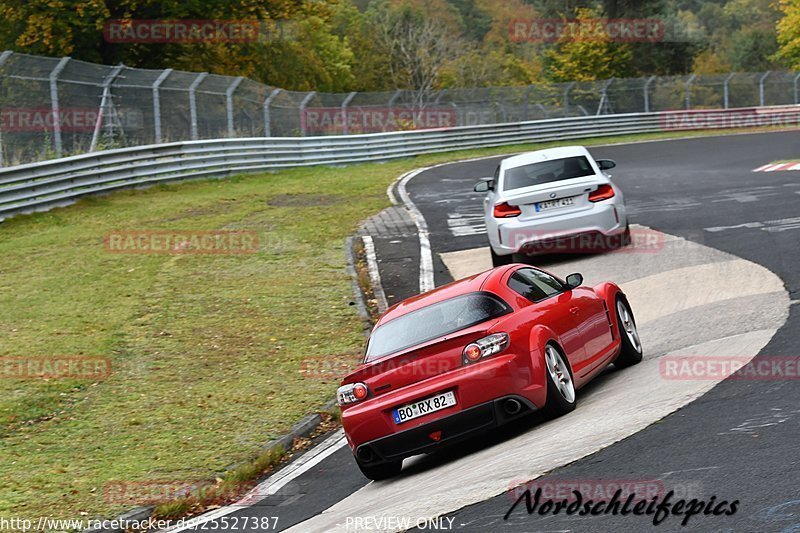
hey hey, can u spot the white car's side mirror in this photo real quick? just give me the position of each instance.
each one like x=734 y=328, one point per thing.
x=606 y=164
x=484 y=185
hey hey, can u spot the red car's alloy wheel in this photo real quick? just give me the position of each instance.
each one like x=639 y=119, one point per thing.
x=559 y=373
x=560 y=387
x=628 y=326
x=631 y=351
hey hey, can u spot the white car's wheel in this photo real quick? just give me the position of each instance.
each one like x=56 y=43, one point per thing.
x=500 y=260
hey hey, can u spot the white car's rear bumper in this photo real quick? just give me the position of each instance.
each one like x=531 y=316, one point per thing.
x=549 y=234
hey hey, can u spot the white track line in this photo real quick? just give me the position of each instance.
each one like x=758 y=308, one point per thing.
x=425 y=254
x=426 y=282
x=374 y=274
x=273 y=483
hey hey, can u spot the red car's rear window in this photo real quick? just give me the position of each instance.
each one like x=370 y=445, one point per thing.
x=434 y=321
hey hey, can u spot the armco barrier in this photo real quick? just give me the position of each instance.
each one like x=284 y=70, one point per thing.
x=43 y=185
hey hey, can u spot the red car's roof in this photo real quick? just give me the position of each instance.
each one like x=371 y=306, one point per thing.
x=481 y=281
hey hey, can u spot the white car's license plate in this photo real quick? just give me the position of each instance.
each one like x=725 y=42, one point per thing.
x=554 y=204
x=423 y=407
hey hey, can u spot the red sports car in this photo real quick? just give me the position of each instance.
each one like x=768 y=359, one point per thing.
x=478 y=353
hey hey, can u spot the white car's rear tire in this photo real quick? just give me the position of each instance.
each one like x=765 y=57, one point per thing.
x=500 y=260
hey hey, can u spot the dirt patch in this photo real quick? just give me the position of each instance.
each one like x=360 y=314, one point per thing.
x=304 y=200
x=217 y=208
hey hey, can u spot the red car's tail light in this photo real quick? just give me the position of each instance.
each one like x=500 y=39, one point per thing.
x=506 y=211
x=351 y=393
x=603 y=192
x=473 y=352
x=490 y=345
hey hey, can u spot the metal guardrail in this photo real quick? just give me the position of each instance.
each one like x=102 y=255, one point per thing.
x=43 y=185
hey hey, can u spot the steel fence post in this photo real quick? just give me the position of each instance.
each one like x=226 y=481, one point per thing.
x=229 y=103
x=544 y=110
x=55 y=106
x=604 y=95
x=438 y=99
x=345 y=126
x=267 y=101
x=761 y=88
x=3 y=58
x=726 y=89
x=527 y=100
x=688 y=91
x=647 y=93
x=104 y=99
x=303 y=105
x=193 y=104
x=797 y=76
x=394 y=97
x=567 y=89
x=157 y=104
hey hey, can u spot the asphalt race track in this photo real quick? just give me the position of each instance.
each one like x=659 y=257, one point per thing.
x=721 y=280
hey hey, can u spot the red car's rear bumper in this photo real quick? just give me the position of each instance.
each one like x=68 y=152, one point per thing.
x=480 y=389
x=449 y=429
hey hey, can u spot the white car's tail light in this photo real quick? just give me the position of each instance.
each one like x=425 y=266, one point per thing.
x=351 y=393
x=489 y=345
x=506 y=211
x=603 y=192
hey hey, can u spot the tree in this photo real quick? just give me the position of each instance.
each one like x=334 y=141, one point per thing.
x=369 y=65
x=75 y=28
x=53 y=27
x=789 y=33
x=488 y=68
x=312 y=58
x=417 y=47
x=587 y=58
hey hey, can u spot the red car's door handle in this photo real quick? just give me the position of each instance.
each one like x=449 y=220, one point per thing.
x=574 y=310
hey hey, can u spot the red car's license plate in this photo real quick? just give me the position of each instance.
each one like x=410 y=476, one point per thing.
x=423 y=407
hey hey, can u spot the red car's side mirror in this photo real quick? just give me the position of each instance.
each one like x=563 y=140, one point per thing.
x=574 y=280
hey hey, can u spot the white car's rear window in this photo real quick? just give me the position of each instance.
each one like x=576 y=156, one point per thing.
x=546 y=172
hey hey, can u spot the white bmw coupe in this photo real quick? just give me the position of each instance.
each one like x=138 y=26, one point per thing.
x=558 y=200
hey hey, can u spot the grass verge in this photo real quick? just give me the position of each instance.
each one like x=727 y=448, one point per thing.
x=206 y=351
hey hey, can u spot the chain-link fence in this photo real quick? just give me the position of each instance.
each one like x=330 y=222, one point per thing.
x=52 y=107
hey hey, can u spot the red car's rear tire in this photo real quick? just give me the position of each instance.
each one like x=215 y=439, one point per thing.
x=560 y=384
x=380 y=471
x=631 y=352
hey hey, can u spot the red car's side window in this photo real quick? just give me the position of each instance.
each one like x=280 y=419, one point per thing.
x=534 y=285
